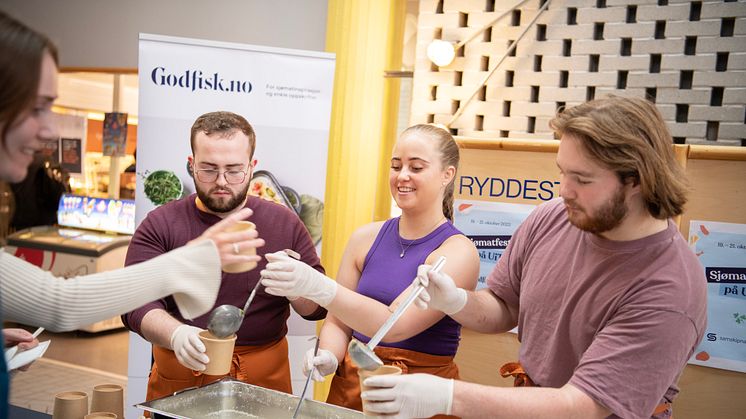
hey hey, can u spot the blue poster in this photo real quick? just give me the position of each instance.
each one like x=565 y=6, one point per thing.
x=721 y=248
x=489 y=225
x=115 y=134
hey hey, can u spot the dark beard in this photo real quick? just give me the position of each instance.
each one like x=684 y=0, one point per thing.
x=217 y=206
x=607 y=217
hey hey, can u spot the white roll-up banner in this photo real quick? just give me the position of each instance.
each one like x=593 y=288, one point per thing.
x=285 y=95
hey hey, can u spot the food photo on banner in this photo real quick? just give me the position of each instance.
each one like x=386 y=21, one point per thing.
x=721 y=248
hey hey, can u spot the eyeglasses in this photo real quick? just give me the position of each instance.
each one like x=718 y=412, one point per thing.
x=211 y=175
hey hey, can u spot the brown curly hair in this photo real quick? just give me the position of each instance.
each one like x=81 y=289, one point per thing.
x=630 y=137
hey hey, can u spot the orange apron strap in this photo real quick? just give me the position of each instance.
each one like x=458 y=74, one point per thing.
x=515 y=369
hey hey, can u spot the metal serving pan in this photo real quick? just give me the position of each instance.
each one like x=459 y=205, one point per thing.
x=233 y=399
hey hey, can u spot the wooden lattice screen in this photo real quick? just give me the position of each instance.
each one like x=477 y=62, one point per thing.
x=689 y=57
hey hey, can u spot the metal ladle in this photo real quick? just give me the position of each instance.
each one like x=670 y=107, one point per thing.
x=361 y=354
x=225 y=320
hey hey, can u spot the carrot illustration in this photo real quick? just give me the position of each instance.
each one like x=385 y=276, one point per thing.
x=702 y=356
x=464 y=206
x=703 y=229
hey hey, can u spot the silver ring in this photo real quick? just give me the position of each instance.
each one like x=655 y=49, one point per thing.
x=236 y=250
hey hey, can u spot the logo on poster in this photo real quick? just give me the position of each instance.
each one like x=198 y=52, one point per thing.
x=726 y=275
x=197 y=80
x=494 y=187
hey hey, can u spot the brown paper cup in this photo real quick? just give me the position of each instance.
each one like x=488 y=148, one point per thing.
x=100 y=415
x=108 y=398
x=235 y=268
x=220 y=352
x=382 y=370
x=70 y=405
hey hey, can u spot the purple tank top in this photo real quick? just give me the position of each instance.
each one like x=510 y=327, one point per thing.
x=385 y=275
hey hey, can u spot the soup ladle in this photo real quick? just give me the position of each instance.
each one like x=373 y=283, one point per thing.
x=361 y=354
x=226 y=319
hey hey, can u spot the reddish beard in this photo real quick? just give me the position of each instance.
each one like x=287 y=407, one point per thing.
x=219 y=205
x=606 y=218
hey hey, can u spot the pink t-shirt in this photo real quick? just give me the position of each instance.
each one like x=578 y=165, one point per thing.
x=618 y=320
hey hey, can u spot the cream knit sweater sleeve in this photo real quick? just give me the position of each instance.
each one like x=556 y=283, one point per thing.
x=30 y=295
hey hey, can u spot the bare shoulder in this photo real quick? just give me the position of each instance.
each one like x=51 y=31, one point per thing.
x=357 y=248
x=364 y=236
x=460 y=247
x=463 y=260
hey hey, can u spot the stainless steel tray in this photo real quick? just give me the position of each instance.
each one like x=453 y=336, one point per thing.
x=230 y=398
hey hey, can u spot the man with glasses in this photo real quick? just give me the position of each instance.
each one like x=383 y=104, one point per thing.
x=223 y=145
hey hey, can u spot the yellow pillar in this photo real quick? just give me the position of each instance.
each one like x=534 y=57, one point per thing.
x=390 y=117
x=358 y=31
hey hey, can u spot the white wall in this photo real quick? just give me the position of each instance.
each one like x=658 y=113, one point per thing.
x=103 y=33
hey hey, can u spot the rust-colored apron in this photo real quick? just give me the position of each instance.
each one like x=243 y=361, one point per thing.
x=345 y=387
x=521 y=379
x=266 y=366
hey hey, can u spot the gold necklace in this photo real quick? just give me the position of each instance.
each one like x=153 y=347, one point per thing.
x=404 y=249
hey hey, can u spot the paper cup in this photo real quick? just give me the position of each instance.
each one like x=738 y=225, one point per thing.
x=220 y=352
x=382 y=370
x=70 y=405
x=235 y=268
x=108 y=398
x=101 y=415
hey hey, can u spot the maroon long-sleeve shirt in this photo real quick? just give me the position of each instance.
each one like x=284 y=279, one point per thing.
x=176 y=223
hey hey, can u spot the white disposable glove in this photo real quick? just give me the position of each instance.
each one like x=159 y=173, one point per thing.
x=440 y=292
x=287 y=277
x=324 y=361
x=189 y=350
x=408 y=396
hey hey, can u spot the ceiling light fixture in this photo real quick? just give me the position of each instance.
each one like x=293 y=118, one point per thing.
x=442 y=53
x=463 y=104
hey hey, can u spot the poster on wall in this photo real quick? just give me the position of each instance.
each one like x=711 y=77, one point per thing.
x=489 y=225
x=50 y=149
x=721 y=248
x=72 y=131
x=72 y=154
x=114 y=138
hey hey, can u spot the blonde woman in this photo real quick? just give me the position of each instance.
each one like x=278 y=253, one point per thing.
x=378 y=266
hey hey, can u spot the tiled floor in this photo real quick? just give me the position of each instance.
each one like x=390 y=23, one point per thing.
x=74 y=361
x=35 y=389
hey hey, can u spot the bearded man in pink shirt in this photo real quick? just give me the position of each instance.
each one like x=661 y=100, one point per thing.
x=609 y=300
